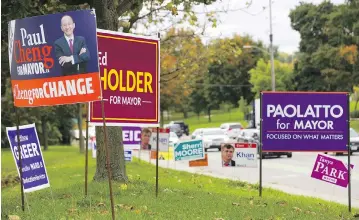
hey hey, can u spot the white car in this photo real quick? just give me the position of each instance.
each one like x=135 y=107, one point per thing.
x=212 y=137
x=173 y=139
x=248 y=135
x=195 y=133
x=232 y=129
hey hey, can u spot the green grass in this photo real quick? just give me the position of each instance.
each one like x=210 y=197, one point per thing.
x=181 y=195
x=217 y=118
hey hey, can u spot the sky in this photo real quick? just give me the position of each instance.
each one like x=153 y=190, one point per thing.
x=254 y=21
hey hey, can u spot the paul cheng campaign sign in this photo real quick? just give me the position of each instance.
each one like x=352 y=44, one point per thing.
x=304 y=121
x=54 y=59
x=34 y=175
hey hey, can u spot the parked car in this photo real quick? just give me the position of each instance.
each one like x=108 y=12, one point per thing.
x=354 y=143
x=212 y=137
x=176 y=128
x=232 y=129
x=184 y=126
x=195 y=133
x=173 y=139
x=248 y=135
x=253 y=136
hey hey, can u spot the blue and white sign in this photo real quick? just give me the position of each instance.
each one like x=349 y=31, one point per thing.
x=128 y=155
x=34 y=175
x=189 y=150
x=245 y=155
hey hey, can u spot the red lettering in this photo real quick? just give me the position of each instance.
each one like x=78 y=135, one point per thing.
x=33 y=54
x=28 y=52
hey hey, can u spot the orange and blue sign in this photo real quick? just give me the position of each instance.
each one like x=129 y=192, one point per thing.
x=53 y=59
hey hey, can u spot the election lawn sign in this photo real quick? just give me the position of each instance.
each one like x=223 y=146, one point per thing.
x=189 y=150
x=47 y=69
x=34 y=174
x=199 y=163
x=164 y=135
x=245 y=154
x=129 y=69
x=304 y=121
x=131 y=137
x=331 y=170
x=128 y=155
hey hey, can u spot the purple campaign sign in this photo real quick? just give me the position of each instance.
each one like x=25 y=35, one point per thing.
x=331 y=170
x=131 y=137
x=303 y=121
x=34 y=175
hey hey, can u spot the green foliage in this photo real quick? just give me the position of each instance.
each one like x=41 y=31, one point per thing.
x=260 y=76
x=206 y=197
x=328 y=46
x=243 y=106
x=226 y=107
x=354 y=114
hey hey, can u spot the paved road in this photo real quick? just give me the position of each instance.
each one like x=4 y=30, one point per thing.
x=291 y=175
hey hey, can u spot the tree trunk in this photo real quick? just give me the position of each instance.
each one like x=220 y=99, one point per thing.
x=356 y=105
x=117 y=158
x=79 y=124
x=209 y=114
x=44 y=132
x=107 y=18
x=185 y=114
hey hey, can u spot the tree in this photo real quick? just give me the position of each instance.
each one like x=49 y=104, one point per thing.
x=243 y=107
x=183 y=60
x=356 y=96
x=227 y=78
x=260 y=76
x=328 y=47
x=197 y=98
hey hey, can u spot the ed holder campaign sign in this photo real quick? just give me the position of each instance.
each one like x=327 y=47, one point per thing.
x=53 y=59
x=129 y=69
x=304 y=121
x=34 y=175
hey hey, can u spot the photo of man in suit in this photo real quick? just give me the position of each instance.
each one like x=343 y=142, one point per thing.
x=227 y=155
x=145 y=139
x=70 y=50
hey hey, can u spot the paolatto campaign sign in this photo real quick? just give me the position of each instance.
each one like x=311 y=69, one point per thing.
x=53 y=59
x=34 y=175
x=304 y=121
x=189 y=150
x=331 y=170
x=129 y=69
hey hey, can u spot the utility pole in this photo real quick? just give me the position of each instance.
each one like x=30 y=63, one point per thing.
x=271 y=45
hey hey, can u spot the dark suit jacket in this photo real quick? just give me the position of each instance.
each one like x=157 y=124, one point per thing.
x=233 y=163
x=62 y=48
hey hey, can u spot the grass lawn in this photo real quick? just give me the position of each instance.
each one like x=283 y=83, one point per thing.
x=181 y=195
x=217 y=118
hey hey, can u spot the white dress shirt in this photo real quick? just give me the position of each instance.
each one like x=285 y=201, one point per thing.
x=68 y=42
